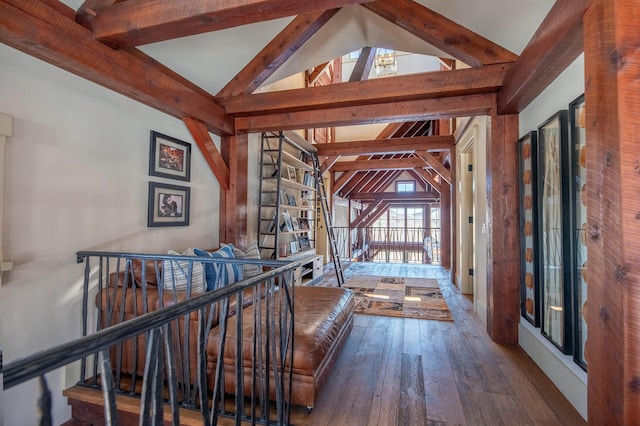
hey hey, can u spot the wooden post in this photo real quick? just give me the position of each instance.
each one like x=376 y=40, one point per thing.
x=233 y=203
x=503 y=233
x=612 y=103
x=445 y=225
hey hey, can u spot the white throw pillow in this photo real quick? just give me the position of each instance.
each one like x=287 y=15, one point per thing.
x=176 y=273
x=249 y=271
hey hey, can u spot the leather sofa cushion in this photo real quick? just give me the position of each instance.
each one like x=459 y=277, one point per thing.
x=320 y=313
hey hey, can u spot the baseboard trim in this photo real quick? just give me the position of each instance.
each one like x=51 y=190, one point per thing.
x=568 y=377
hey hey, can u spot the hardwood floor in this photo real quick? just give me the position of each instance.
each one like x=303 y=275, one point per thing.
x=395 y=371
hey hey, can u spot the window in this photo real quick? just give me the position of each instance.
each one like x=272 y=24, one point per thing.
x=406 y=186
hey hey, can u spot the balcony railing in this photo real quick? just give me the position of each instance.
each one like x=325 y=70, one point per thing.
x=156 y=348
x=389 y=244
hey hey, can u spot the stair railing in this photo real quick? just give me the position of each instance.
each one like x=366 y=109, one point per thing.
x=271 y=308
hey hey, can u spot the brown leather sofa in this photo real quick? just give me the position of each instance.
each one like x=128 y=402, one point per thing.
x=323 y=321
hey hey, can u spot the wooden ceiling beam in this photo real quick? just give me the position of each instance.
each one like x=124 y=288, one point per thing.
x=42 y=32
x=209 y=151
x=276 y=53
x=427 y=109
x=395 y=196
x=388 y=146
x=366 y=212
x=436 y=165
x=430 y=85
x=427 y=177
x=137 y=22
x=363 y=65
x=387 y=164
x=341 y=181
x=441 y=32
x=317 y=72
x=359 y=179
x=555 y=45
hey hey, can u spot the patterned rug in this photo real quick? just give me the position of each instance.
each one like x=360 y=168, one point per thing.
x=399 y=297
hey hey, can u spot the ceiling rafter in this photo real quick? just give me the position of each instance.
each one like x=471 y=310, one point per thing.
x=430 y=85
x=388 y=146
x=43 y=32
x=426 y=109
x=316 y=73
x=138 y=22
x=395 y=196
x=436 y=165
x=363 y=65
x=441 y=32
x=276 y=53
x=209 y=151
x=555 y=45
x=394 y=164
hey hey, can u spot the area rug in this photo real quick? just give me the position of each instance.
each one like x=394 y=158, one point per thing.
x=399 y=297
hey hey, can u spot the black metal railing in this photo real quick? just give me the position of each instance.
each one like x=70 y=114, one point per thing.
x=225 y=352
x=389 y=244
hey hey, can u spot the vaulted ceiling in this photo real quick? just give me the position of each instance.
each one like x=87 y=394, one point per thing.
x=205 y=61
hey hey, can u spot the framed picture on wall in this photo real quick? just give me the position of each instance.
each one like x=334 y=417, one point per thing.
x=168 y=205
x=579 y=170
x=554 y=231
x=169 y=157
x=529 y=286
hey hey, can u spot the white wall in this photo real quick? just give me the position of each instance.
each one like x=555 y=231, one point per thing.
x=473 y=138
x=571 y=380
x=76 y=179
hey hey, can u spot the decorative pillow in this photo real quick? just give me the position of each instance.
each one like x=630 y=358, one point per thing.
x=248 y=270
x=176 y=273
x=218 y=274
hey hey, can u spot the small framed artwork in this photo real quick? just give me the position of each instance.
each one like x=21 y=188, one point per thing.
x=293 y=246
x=168 y=205
x=554 y=231
x=169 y=157
x=529 y=287
x=291 y=200
x=303 y=222
x=295 y=224
x=304 y=202
x=304 y=243
x=291 y=173
x=287 y=221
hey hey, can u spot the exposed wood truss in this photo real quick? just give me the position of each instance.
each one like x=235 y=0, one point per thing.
x=446 y=35
x=363 y=64
x=387 y=164
x=137 y=22
x=388 y=146
x=424 y=197
x=556 y=44
x=276 y=53
x=457 y=83
x=43 y=32
x=209 y=151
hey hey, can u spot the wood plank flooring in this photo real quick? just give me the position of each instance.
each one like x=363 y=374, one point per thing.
x=395 y=371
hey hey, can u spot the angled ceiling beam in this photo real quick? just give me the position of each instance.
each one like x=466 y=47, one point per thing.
x=366 y=212
x=441 y=32
x=137 y=22
x=363 y=65
x=428 y=85
x=388 y=146
x=328 y=162
x=276 y=53
x=436 y=165
x=387 y=164
x=359 y=180
x=427 y=109
x=556 y=44
x=42 y=32
x=427 y=177
x=421 y=184
x=386 y=180
x=341 y=181
x=382 y=209
x=209 y=152
x=317 y=71
x=395 y=196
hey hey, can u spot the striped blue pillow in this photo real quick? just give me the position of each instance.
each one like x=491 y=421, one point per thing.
x=221 y=274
